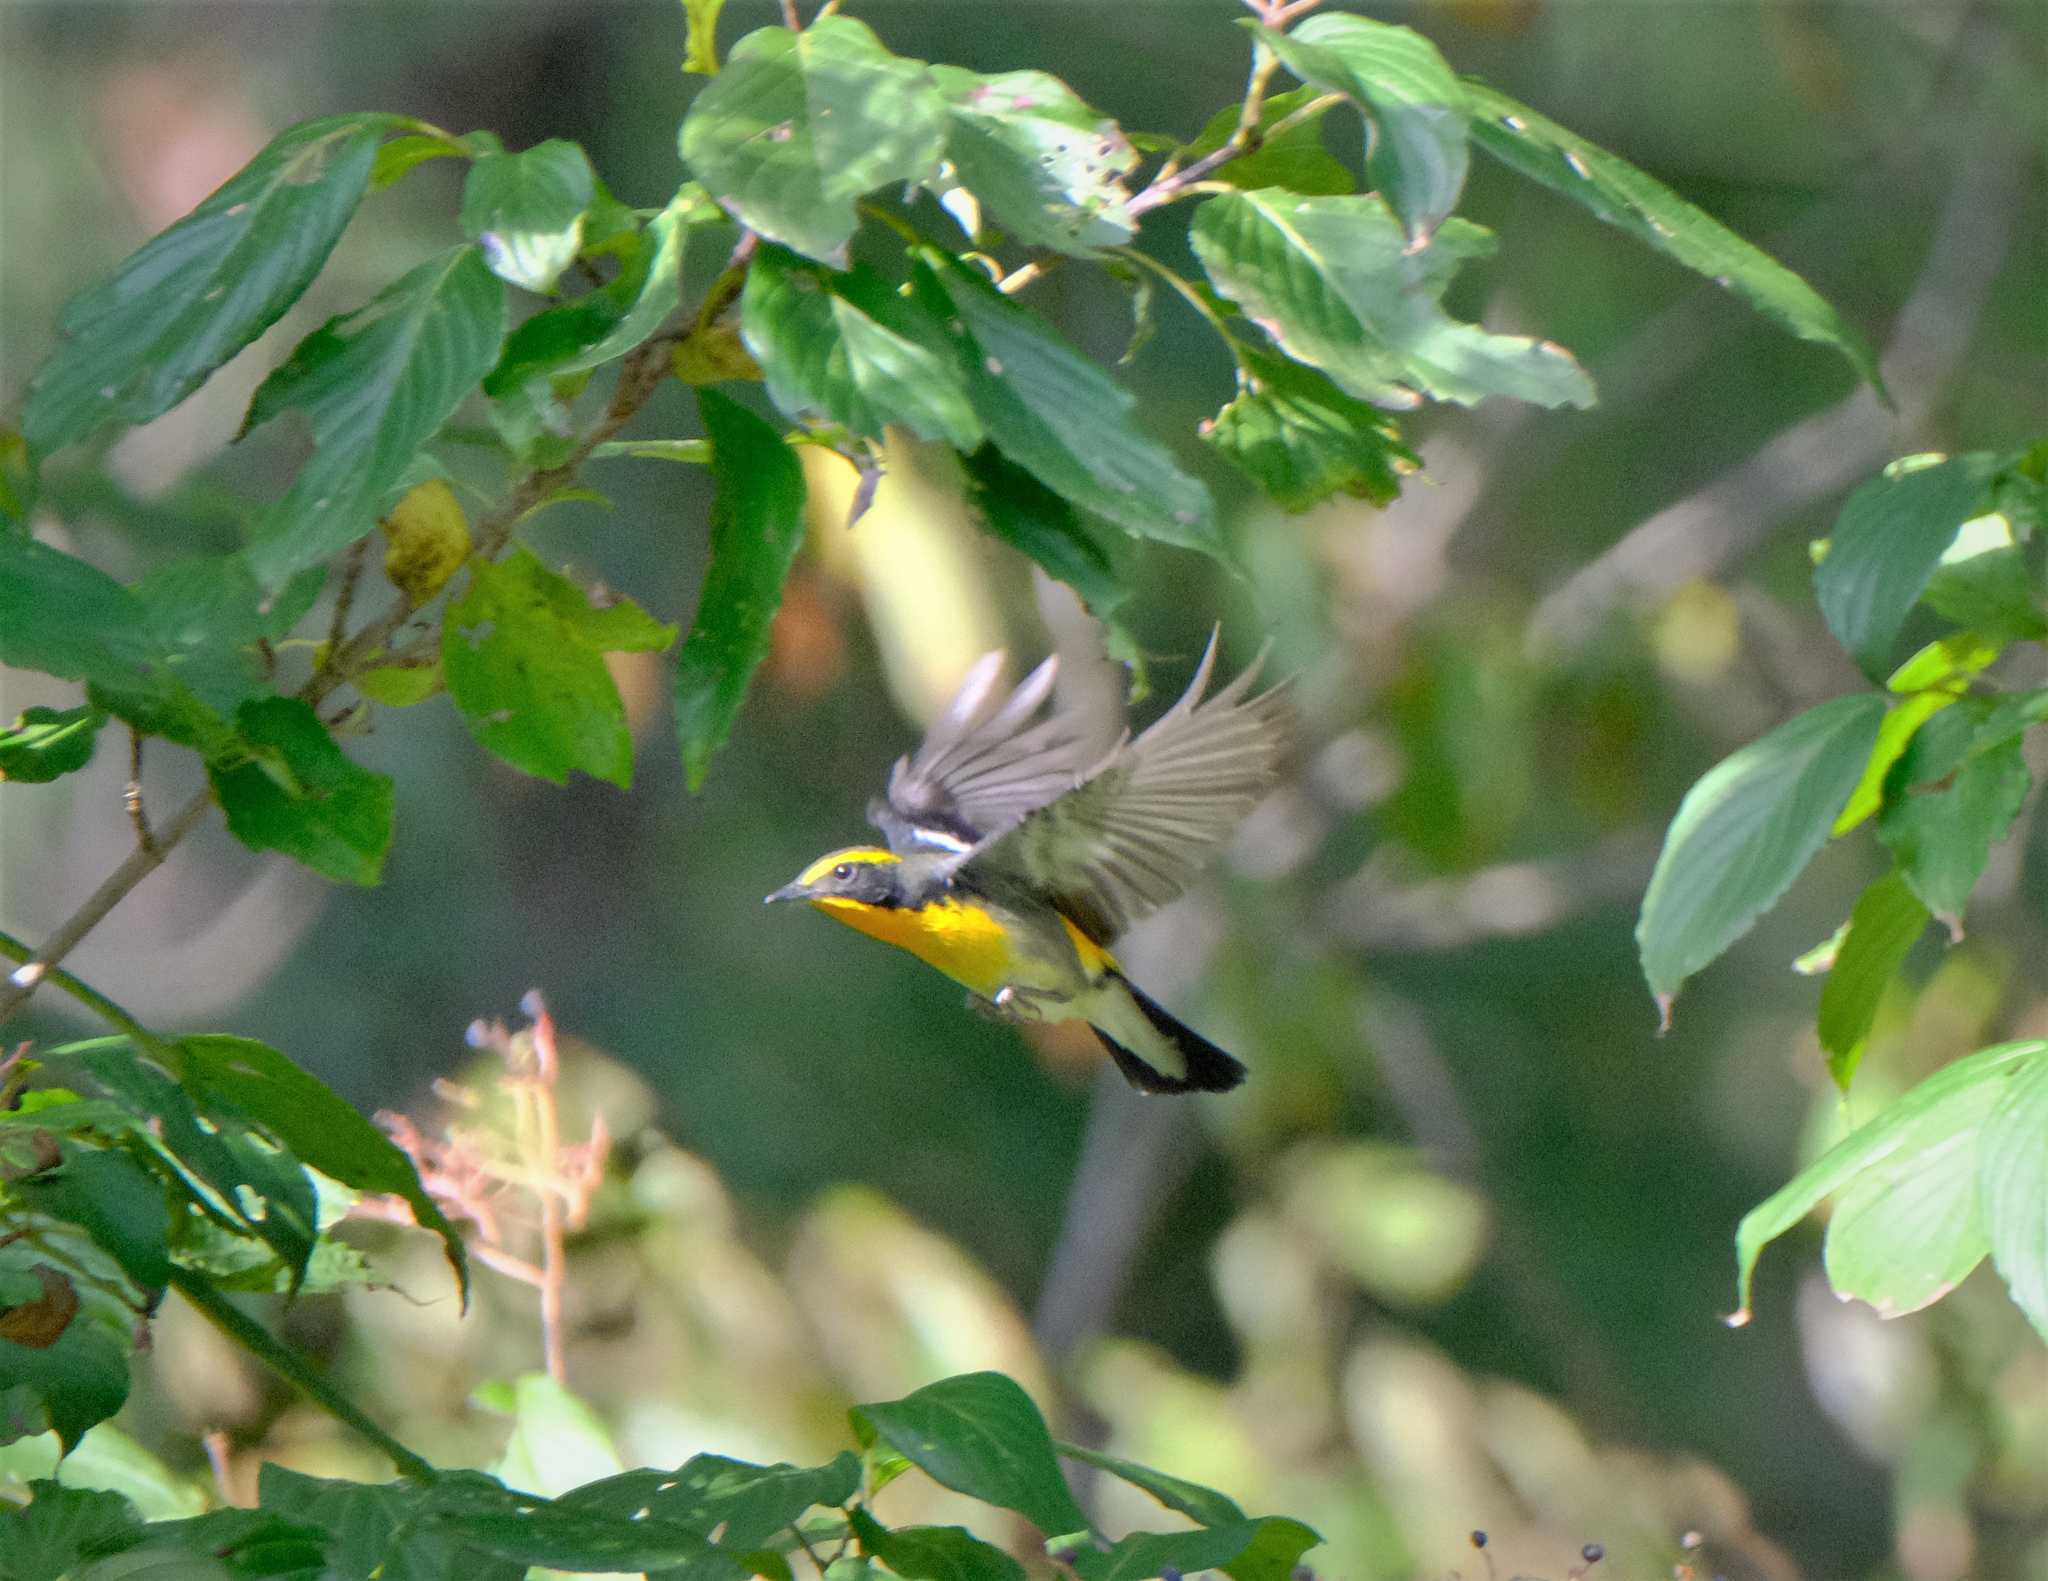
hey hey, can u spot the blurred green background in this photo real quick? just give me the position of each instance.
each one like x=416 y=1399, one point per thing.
x=1455 y=1257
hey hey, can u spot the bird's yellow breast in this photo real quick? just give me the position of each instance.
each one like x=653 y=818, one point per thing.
x=964 y=941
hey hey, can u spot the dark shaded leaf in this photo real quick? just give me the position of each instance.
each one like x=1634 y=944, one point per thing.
x=799 y=125
x=44 y=744
x=933 y=1553
x=192 y=297
x=757 y=526
x=1946 y=805
x=300 y=794
x=1886 y=923
x=1032 y=519
x=752 y=1503
x=61 y=1530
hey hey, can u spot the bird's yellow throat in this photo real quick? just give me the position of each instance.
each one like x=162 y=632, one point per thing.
x=965 y=942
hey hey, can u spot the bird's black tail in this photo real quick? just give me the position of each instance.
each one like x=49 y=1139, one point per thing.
x=1170 y=1056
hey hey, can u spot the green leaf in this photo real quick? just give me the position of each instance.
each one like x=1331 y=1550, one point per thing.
x=1332 y=279
x=1930 y=681
x=190 y=298
x=65 y=1343
x=63 y=1530
x=1984 y=584
x=609 y=322
x=1146 y=1554
x=1416 y=153
x=757 y=526
x=2012 y=1181
x=254 y=1545
x=375 y=385
x=44 y=744
x=1191 y=1499
x=1617 y=192
x=752 y=1503
x=115 y=1201
x=1044 y=164
x=1886 y=545
x=1913 y=1143
x=67 y=618
x=1745 y=831
x=1301 y=439
x=1887 y=922
x=526 y=211
x=1946 y=806
x=398 y=158
x=847 y=346
x=523 y=650
x=257 y=1086
x=400 y=1531
x=933 y=1553
x=1296 y=158
x=800 y=125
x=18 y=482
x=700 y=40
x=1058 y=415
x=979 y=1434
x=1031 y=518
x=300 y=794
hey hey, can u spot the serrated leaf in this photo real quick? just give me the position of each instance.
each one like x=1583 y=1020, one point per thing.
x=607 y=323
x=1946 y=806
x=1885 y=925
x=256 y=1085
x=846 y=346
x=1617 y=192
x=1301 y=439
x=63 y=1530
x=1296 y=158
x=523 y=651
x=44 y=744
x=1416 y=153
x=757 y=526
x=798 y=126
x=2012 y=1179
x=189 y=299
x=1031 y=518
x=979 y=1434
x=1058 y=415
x=526 y=210
x=1044 y=164
x=300 y=794
x=375 y=385
x=1745 y=831
x=1333 y=281
x=1930 y=1115
x=1886 y=544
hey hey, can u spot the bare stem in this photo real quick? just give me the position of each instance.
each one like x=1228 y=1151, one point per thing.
x=131 y=798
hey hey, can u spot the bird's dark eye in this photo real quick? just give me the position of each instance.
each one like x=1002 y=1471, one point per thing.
x=843 y=871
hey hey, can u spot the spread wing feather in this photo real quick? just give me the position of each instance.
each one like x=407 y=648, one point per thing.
x=983 y=765
x=1135 y=831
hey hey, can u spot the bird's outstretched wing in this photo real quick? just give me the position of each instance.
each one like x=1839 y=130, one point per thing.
x=1138 y=828
x=985 y=763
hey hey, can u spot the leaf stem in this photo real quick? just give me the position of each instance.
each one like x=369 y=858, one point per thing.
x=259 y=1342
x=1194 y=299
x=84 y=993
x=1243 y=140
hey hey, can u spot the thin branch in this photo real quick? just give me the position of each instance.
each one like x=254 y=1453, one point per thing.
x=84 y=993
x=131 y=796
x=141 y=862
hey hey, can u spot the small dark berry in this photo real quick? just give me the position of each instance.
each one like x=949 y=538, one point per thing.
x=1479 y=1539
x=1592 y=1553
x=1169 y=1573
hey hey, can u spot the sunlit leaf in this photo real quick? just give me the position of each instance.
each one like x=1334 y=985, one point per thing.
x=1885 y=547
x=1045 y=166
x=299 y=793
x=757 y=526
x=1616 y=191
x=1886 y=923
x=700 y=40
x=525 y=211
x=1335 y=283
x=1295 y=158
x=1301 y=439
x=1946 y=805
x=190 y=298
x=2013 y=1186
x=1416 y=153
x=1745 y=831
x=797 y=126
x=846 y=346
x=979 y=1434
x=523 y=652
x=1930 y=1116
x=374 y=385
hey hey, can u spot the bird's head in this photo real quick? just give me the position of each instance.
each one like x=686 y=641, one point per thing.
x=862 y=875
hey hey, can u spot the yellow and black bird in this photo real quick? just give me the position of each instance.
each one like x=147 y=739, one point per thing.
x=1016 y=855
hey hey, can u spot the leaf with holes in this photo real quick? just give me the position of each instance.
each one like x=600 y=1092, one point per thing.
x=1047 y=167
x=375 y=385
x=798 y=126
x=190 y=298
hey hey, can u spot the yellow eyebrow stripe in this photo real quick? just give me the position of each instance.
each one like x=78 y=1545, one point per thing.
x=872 y=854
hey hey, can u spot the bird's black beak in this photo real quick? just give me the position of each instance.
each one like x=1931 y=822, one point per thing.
x=786 y=892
